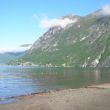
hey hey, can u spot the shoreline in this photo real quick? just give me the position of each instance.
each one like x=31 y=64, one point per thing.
x=96 y=97
x=97 y=86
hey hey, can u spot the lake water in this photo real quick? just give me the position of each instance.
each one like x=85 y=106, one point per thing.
x=18 y=80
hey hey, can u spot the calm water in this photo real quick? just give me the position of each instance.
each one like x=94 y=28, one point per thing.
x=16 y=80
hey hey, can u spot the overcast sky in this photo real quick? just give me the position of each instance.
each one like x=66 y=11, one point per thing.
x=24 y=21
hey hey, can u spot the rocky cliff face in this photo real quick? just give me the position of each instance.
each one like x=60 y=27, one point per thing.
x=84 y=43
x=45 y=40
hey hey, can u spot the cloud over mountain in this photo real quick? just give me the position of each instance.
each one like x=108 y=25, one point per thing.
x=105 y=10
x=45 y=22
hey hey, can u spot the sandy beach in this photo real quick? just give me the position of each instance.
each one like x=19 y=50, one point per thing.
x=91 y=98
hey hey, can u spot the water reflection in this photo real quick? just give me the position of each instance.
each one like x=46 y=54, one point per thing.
x=97 y=75
x=25 y=80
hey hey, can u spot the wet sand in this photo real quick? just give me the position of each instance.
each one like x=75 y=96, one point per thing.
x=91 y=98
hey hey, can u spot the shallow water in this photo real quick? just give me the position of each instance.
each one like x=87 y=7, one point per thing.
x=19 y=80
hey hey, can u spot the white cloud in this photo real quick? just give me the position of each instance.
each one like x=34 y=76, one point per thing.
x=105 y=10
x=45 y=22
x=16 y=49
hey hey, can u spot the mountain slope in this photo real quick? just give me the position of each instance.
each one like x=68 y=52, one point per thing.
x=85 y=43
x=7 y=56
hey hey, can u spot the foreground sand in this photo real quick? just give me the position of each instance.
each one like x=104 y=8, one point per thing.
x=91 y=98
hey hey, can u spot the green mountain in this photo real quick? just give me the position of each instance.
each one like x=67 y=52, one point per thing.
x=84 y=43
x=7 y=56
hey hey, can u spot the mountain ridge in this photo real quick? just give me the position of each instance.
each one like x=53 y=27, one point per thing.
x=7 y=56
x=84 y=43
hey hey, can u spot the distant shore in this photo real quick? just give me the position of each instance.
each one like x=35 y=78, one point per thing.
x=91 y=98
